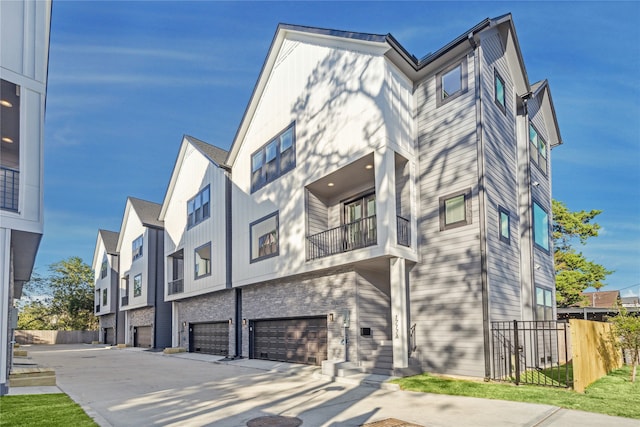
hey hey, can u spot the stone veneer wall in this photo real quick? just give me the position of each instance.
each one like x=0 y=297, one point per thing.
x=140 y=317
x=107 y=321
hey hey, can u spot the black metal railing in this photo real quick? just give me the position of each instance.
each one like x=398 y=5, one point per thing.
x=125 y=300
x=413 y=343
x=404 y=231
x=531 y=352
x=97 y=309
x=176 y=286
x=9 y=183
x=347 y=237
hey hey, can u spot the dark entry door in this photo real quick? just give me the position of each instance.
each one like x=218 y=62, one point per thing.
x=210 y=338
x=300 y=340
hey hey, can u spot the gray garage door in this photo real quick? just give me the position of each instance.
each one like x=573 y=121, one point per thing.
x=110 y=336
x=142 y=336
x=210 y=338
x=301 y=340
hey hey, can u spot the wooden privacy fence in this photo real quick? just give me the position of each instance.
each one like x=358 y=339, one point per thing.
x=55 y=337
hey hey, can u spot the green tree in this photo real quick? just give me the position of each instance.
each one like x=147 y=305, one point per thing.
x=66 y=294
x=35 y=315
x=574 y=273
x=627 y=329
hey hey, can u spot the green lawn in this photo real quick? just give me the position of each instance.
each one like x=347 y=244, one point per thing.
x=35 y=410
x=613 y=394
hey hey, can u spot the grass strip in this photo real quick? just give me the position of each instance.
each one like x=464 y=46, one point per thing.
x=35 y=410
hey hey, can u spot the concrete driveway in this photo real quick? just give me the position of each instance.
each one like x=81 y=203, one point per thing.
x=131 y=387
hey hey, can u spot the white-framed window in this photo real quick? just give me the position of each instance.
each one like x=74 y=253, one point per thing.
x=504 y=225
x=202 y=261
x=540 y=227
x=136 y=248
x=198 y=207
x=137 y=285
x=544 y=304
x=274 y=159
x=499 y=95
x=451 y=82
x=264 y=237
x=104 y=267
x=455 y=210
x=538 y=149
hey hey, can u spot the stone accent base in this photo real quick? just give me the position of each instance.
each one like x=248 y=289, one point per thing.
x=32 y=377
x=174 y=350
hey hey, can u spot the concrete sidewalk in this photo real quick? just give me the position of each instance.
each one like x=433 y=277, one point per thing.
x=139 y=388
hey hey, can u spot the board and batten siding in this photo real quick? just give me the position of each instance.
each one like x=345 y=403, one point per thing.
x=501 y=165
x=132 y=231
x=445 y=285
x=196 y=172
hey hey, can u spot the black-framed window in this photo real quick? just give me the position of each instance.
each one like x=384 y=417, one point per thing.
x=504 y=225
x=105 y=295
x=538 y=148
x=540 y=227
x=264 y=237
x=451 y=82
x=544 y=304
x=499 y=88
x=136 y=248
x=455 y=210
x=274 y=159
x=202 y=261
x=198 y=207
x=137 y=285
x=104 y=267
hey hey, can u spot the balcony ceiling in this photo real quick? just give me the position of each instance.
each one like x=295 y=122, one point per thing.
x=354 y=175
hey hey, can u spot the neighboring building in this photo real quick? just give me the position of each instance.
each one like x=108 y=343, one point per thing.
x=105 y=267
x=602 y=299
x=599 y=306
x=24 y=57
x=140 y=247
x=630 y=302
x=195 y=250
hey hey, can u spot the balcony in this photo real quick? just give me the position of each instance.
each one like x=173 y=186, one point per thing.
x=404 y=231
x=125 y=300
x=9 y=183
x=176 y=286
x=348 y=237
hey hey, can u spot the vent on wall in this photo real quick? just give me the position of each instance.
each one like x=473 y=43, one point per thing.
x=365 y=332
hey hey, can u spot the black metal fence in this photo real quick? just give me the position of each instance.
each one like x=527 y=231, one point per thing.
x=348 y=237
x=532 y=352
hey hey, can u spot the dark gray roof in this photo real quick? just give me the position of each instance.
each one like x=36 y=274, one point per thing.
x=148 y=212
x=110 y=241
x=216 y=154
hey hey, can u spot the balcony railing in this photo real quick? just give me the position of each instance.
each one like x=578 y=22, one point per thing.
x=404 y=231
x=9 y=183
x=347 y=237
x=125 y=300
x=97 y=309
x=176 y=286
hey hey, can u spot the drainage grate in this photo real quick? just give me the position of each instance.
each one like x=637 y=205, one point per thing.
x=391 y=422
x=274 y=421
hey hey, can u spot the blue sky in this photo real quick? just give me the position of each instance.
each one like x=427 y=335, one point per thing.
x=128 y=79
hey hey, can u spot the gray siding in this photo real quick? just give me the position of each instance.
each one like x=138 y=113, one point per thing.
x=317 y=215
x=374 y=311
x=445 y=286
x=403 y=202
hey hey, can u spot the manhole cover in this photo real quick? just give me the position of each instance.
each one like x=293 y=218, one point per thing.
x=274 y=421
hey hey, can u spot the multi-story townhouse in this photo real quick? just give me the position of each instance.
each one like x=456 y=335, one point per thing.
x=24 y=53
x=147 y=319
x=195 y=250
x=106 y=283
x=387 y=209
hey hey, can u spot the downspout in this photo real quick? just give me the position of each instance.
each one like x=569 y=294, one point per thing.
x=482 y=209
x=532 y=278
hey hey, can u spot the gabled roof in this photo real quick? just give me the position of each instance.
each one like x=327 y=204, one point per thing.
x=215 y=155
x=602 y=299
x=542 y=90
x=109 y=240
x=148 y=213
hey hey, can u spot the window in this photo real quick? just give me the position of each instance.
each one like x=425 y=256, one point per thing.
x=136 y=249
x=540 y=227
x=104 y=296
x=137 y=285
x=264 y=237
x=451 y=83
x=455 y=210
x=499 y=92
x=274 y=159
x=104 y=267
x=198 y=208
x=504 y=224
x=9 y=145
x=544 y=304
x=202 y=261
x=538 y=148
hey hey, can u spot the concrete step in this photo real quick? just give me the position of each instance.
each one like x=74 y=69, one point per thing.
x=32 y=377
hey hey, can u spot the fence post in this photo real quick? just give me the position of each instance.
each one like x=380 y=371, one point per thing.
x=516 y=350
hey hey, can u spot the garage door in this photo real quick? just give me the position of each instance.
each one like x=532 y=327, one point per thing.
x=301 y=340
x=142 y=336
x=109 y=336
x=210 y=338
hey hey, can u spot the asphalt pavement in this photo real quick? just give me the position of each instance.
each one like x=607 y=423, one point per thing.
x=132 y=387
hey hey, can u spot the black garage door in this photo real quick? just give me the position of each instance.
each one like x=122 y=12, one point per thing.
x=301 y=340
x=210 y=338
x=142 y=336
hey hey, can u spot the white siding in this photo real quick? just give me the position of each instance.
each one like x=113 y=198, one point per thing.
x=132 y=230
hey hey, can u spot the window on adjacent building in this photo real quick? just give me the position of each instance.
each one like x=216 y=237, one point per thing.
x=455 y=210
x=540 y=227
x=274 y=159
x=499 y=92
x=544 y=304
x=504 y=223
x=451 y=82
x=136 y=248
x=137 y=285
x=104 y=267
x=104 y=296
x=198 y=208
x=202 y=256
x=538 y=148
x=264 y=237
